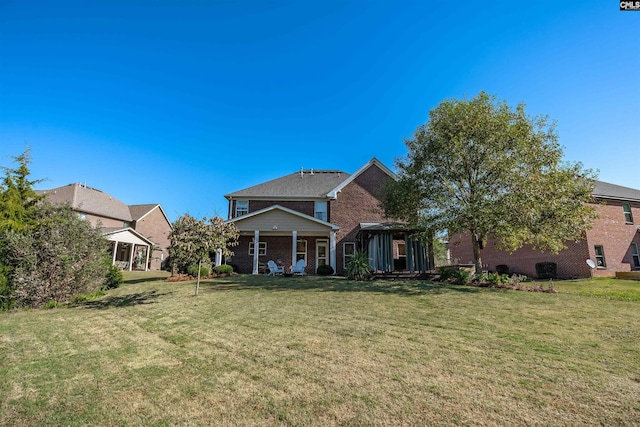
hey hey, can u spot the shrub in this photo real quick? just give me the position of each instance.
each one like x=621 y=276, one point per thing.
x=223 y=269
x=446 y=272
x=51 y=304
x=502 y=269
x=546 y=270
x=114 y=278
x=205 y=269
x=358 y=267
x=462 y=276
x=493 y=279
x=325 y=270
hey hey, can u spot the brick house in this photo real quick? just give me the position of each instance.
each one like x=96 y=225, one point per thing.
x=140 y=233
x=613 y=243
x=315 y=215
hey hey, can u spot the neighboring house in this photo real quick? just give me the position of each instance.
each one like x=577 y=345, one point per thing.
x=613 y=243
x=140 y=233
x=321 y=216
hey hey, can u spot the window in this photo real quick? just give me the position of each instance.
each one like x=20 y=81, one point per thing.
x=242 y=207
x=349 y=251
x=635 y=255
x=402 y=250
x=320 y=210
x=262 y=248
x=628 y=216
x=301 y=250
x=600 y=261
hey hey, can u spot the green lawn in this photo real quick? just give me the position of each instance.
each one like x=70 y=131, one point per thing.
x=325 y=351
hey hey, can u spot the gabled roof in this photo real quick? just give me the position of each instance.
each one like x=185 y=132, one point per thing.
x=125 y=235
x=304 y=184
x=605 y=190
x=373 y=162
x=138 y=212
x=89 y=200
x=282 y=209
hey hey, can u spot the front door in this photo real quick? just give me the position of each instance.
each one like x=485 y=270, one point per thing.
x=322 y=252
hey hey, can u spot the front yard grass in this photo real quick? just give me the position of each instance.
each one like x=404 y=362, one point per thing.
x=257 y=350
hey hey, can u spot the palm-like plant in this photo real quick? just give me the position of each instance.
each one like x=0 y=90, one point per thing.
x=358 y=267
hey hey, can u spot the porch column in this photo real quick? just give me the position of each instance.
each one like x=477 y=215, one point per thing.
x=115 y=251
x=256 y=249
x=218 y=258
x=133 y=247
x=332 y=251
x=294 y=247
x=146 y=263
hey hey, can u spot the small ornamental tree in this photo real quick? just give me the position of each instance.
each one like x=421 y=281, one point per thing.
x=192 y=240
x=481 y=167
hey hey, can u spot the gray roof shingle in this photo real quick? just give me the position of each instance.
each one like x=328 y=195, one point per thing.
x=89 y=200
x=613 y=191
x=307 y=184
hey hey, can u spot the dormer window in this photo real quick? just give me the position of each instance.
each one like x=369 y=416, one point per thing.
x=628 y=216
x=320 y=210
x=242 y=207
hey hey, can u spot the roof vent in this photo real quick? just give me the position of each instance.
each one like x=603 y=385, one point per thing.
x=311 y=171
x=301 y=172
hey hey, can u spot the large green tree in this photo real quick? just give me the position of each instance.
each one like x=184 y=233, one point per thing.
x=17 y=196
x=481 y=167
x=193 y=240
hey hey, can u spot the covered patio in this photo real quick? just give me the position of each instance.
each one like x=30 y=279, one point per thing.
x=130 y=249
x=392 y=247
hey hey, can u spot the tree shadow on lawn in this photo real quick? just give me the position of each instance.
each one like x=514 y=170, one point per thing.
x=119 y=301
x=331 y=284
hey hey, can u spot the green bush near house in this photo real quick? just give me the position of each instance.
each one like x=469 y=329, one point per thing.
x=358 y=267
x=114 y=278
x=325 y=270
x=223 y=269
x=205 y=269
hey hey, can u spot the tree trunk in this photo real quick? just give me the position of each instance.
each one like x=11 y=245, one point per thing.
x=475 y=242
x=198 y=281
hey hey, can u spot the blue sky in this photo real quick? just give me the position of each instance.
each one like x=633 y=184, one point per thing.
x=179 y=103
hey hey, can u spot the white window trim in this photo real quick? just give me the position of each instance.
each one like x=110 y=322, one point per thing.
x=324 y=210
x=635 y=255
x=262 y=248
x=344 y=252
x=604 y=259
x=244 y=212
x=629 y=213
x=298 y=253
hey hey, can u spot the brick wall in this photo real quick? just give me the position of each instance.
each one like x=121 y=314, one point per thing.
x=357 y=202
x=278 y=248
x=155 y=227
x=610 y=230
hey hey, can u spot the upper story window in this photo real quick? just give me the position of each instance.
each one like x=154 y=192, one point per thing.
x=628 y=216
x=320 y=210
x=242 y=207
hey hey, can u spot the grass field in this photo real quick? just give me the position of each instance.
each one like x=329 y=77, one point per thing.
x=325 y=351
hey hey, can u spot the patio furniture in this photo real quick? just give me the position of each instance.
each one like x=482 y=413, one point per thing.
x=299 y=267
x=274 y=268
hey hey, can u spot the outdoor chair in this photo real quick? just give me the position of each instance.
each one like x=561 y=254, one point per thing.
x=299 y=267
x=274 y=268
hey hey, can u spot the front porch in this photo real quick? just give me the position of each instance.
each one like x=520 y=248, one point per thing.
x=284 y=236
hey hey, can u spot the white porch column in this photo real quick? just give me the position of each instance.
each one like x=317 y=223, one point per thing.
x=256 y=249
x=133 y=247
x=218 y=258
x=115 y=251
x=332 y=251
x=294 y=247
x=146 y=263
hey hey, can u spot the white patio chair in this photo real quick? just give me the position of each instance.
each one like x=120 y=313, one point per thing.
x=274 y=268
x=299 y=267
